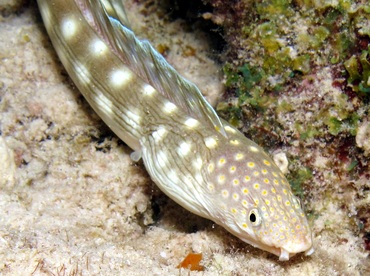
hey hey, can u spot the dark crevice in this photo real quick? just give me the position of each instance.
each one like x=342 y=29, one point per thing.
x=191 y=12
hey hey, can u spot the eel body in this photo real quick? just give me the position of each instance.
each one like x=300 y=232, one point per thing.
x=197 y=159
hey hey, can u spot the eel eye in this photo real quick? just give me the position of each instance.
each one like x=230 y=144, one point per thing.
x=254 y=217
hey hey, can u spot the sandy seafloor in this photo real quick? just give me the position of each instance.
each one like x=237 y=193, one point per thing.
x=73 y=203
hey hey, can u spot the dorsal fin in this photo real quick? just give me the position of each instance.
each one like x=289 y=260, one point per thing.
x=147 y=63
x=116 y=10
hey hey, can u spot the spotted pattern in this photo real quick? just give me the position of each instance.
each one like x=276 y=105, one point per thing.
x=260 y=190
x=98 y=47
x=159 y=134
x=184 y=148
x=148 y=90
x=69 y=28
x=191 y=122
x=120 y=77
x=210 y=169
x=169 y=107
x=210 y=142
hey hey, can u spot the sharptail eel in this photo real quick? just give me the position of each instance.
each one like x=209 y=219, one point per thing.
x=197 y=159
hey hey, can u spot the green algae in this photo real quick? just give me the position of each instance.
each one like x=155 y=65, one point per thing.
x=344 y=122
x=307 y=132
x=280 y=54
x=274 y=8
x=352 y=165
x=358 y=68
x=234 y=113
x=297 y=178
x=250 y=76
x=348 y=125
x=244 y=81
x=284 y=53
x=281 y=47
x=302 y=64
x=284 y=107
x=324 y=4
